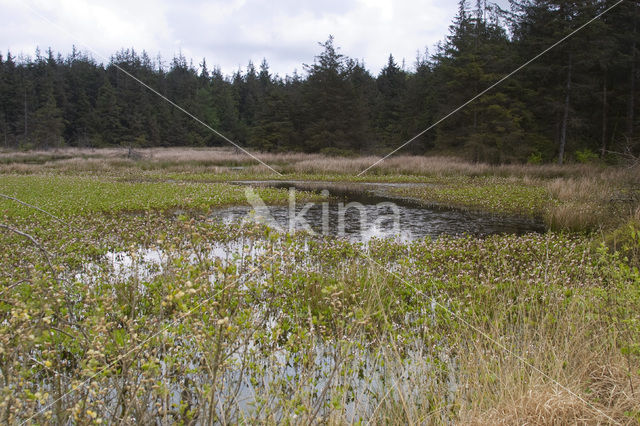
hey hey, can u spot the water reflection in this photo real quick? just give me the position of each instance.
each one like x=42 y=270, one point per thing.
x=362 y=214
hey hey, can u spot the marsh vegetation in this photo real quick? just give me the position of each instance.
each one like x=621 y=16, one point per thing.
x=135 y=304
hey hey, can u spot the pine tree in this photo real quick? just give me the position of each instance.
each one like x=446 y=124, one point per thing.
x=475 y=55
x=264 y=76
x=4 y=128
x=11 y=96
x=82 y=80
x=390 y=108
x=108 y=115
x=226 y=106
x=334 y=121
x=623 y=26
x=274 y=129
x=361 y=105
x=47 y=124
x=249 y=95
x=420 y=104
x=556 y=84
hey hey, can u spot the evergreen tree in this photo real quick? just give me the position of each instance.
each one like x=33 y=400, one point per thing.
x=264 y=77
x=226 y=106
x=249 y=95
x=623 y=26
x=11 y=96
x=420 y=104
x=108 y=115
x=334 y=122
x=554 y=81
x=82 y=79
x=361 y=106
x=475 y=55
x=48 y=124
x=274 y=129
x=390 y=108
x=581 y=95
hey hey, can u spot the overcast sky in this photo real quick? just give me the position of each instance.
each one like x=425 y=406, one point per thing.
x=229 y=33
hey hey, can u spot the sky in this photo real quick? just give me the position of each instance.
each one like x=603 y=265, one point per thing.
x=232 y=32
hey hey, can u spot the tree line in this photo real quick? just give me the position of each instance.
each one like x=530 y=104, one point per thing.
x=577 y=102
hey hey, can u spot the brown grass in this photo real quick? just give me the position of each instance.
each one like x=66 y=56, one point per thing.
x=612 y=399
x=307 y=163
x=594 y=386
x=593 y=383
x=589 y=202
x=586 y=197
x=297 y=162
x=545 y=405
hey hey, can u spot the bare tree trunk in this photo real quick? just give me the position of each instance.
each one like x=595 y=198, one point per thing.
x=479 y=13
x=25 y=114
x=565 y=117
x=4 y=127
x=603 y=149
x=632 y=93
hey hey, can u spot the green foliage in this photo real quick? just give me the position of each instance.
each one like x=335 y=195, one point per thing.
x=48 y=124
x=486 y=194
x=626 y=241
x=109 y=127
x=391 y=105
x=586 y=156
x=335 y=83
x=554 y=102
x=285 y=314
x=475 y=55
x=535 y=158
x=69 y=195
x=336 y=152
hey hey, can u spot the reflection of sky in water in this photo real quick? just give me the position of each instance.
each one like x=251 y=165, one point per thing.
x=145 y=263
x=362 y=212
x=370 y=370
x=373 y=222
x=360 y=217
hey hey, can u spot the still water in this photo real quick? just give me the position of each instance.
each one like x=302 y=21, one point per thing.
x=363 y=212
x=357 y=214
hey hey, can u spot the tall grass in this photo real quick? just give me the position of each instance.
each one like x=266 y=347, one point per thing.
x=538 y=328
x=188 y=158
x=580 y=196
x=315 y=332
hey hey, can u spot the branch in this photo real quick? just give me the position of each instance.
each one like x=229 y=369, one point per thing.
x=632 y=159
x=36 y=243
x=33 y=207
x=12 y=286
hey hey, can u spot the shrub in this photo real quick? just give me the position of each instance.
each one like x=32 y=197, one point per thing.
x=535 y=158
x=626 y=241
x=586 y=156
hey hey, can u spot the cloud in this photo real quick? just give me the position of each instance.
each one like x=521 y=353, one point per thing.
x=230 y=33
